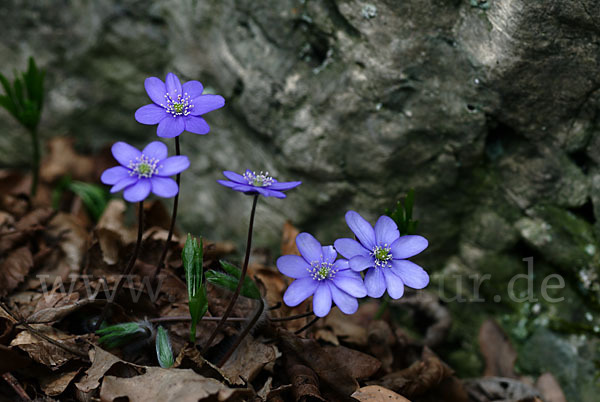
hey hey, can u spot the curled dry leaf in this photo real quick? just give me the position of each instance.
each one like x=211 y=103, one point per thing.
x=54 y=314
x=14 y=268
x=375 y=393
x=248 y=360
x=305 y=383
x=168 y=385
x=497 y=351
x=112 y=219
x=336 y=366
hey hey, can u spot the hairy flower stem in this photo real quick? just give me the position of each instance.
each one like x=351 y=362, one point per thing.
x=307 y=326
x=161 y=260
x=242 y=335
x=240 y=282
x=129 y=268
x=35 y=161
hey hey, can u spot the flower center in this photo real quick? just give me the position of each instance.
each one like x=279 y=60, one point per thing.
x=382 y=256
x=321 y=270
x=178 y=104
x=258 y=180
x=143 y=166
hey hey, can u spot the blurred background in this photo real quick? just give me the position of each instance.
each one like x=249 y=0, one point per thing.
x=487 y=108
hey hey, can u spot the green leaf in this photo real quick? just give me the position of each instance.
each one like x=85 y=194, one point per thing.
x=230 y=278
x=121 y=334
x=94 y=197
x=164 y=351
x=402 y=214
x=192 y=256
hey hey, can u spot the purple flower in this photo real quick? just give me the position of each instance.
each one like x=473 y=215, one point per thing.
x=143 y=172
x=262 y=183
x=383 y=252
x=318 y=273
x=177 y=107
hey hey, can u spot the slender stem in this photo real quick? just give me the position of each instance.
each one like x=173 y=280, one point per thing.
x=161 y=260
x=243 y=334
x=188 y=318
x=292 y=317
x=35 y=161
x=129 y=266
x=304 y=328
x=12 y=381
x=240 y=282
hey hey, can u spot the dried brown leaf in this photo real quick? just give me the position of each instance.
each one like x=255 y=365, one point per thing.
x=56 y=383
x=360 y=365
x=14 y=269
x=381 y=339
x=62 y=160
x=168 y=385
x=25 y=227
x=248 y=360
x=334 y=373
x=345 y=328
x=102 y=362
x=44 y=352
x=375 y=393
x=421 y=377
x=497 y=351
x=288 y=239
x=305 y=383
x=11 y=360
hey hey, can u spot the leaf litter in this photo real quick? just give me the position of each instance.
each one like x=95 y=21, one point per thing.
x=57 y=269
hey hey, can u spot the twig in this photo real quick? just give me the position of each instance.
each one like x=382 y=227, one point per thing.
x=161 y=260
x=240 y=282
x=129 y=266
x=14 y=383
x=292 y=317
x=43 y=336
x=243 y=334
x=304 y=328
x=188 y=318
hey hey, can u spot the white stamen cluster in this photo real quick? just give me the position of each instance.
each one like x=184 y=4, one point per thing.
x=143 y=166
x=178 y=105
x=258 y=180
x=382 y=256
x=320 y=270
